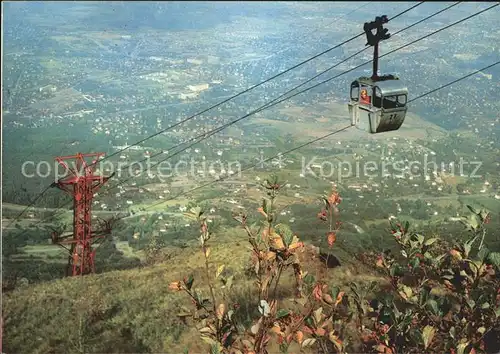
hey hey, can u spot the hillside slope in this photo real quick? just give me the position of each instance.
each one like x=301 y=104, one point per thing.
x=132 y=310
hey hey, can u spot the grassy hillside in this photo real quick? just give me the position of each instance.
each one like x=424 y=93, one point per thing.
x=133 y=310
x=318 y=300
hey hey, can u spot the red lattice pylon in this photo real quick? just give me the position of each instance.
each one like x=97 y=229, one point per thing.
x=81 y=182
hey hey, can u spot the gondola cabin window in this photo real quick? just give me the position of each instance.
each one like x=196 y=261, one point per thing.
x=377 y=98
x=394 y=101
x=354 y=93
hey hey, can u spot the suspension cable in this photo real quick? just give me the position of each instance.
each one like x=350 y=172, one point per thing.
x=437 y=31
x=271 y=103
x=320 y=138
x=220 y=103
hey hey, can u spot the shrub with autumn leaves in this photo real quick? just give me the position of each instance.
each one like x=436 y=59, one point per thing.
x=328 y=214
x=444 y=299
x=441 y=299
x=317 y=317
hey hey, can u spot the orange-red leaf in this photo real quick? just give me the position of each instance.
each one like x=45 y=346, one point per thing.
x=176 y=286
x=318 y=292
x=320 y=332
x=277 y=329
x=296 y=245
x=332 y=237
x=269 y=256
x=455 y=254
x=220 y=311
x=339 y=298
x=277 y=242
x=299 y=337
x=334 y=198
x=261 y=210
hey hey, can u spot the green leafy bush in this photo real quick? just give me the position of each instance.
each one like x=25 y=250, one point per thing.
x=440 y=297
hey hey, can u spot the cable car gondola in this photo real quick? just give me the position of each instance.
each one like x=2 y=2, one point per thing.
x=378 y=103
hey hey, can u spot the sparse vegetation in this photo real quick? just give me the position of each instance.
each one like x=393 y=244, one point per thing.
x=439 y=298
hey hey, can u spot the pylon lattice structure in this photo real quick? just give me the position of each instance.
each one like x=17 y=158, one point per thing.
x=81 y=182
